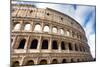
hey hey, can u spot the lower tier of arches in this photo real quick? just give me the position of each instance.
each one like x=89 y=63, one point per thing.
x=25 y=60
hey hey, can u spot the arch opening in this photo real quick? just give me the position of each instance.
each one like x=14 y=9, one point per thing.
x=15 y=63
x=17 y=26
x=30 y=62
x=34 y=44
x=27 y=27
x=43 y=62
x=64 y=61
x=22 y=44
x=45 y=44
x=63 y=45
x=46 y=29
x=38 y=28
x=54 y=44
x=54 y=61
x=54 y=30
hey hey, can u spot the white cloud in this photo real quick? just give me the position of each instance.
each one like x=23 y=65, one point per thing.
x=91 y=42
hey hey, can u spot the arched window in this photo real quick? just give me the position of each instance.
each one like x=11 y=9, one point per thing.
x=70 y=46
x=61 y=31
x=80 y=48
x=73 y=34
x=27 y=27
x=17 y=27
x=68 y=33
x=42 y=62
x=30 y=62
x=45 y=44
x=54 y=61
x=11 y=40
x=64 y=61
x=38 y=28
x=72 y=60
x=54 y=30
x=76 y=48
x=54 y=44
x=46 y=29
x=63 y=45
x=15 y=64
x=22 y=44
x=78 y=60
x=34 y=44
x=83 y=49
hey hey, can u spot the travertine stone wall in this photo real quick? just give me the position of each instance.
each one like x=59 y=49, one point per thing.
x=64 y=38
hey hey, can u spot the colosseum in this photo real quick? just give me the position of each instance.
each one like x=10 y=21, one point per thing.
x=46 y=36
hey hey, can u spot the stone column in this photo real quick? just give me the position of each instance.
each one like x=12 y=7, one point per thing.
x=22 y=25
x=42 y=26
x=27 y=43
x=73 y=46
x=39 y=44
x=78 y=46
x=70 y=33
x=51 y=29
x=14 y=40
x=50 y=44
x=22 y=61
x=67 y=47
x=59 y=46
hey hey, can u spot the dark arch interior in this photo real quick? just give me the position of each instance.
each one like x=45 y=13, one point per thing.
x=63 y=46
x=70 y=46
x=16 y=63
x=78 y=60
x=80 y=48
x=76 y=48
x=22 y=44
x=45 y=44
x=54 y=61
x=54 y=45
x=34 y=44
x=11 y=40
x=30 y=62
x=72 y=60
x=64 y=61
x=42 y=62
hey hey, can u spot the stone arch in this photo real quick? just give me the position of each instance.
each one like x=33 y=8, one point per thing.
x=72 y=60
x=11 y=40
x=67 y=33
x=21 y=44
x=63 y=45
x=34 y=44
x=64 y=61
x=37 y=28
x=61 y=31
x=15 y=64
x=45 y=44
x=46 y=28
x=27 y=27
x=54 y=30
x=30 y=62
x=54 y=61
x=54 y=44
x=43 y=61
x=78 y=60
x=17 y=26
x=76 y=48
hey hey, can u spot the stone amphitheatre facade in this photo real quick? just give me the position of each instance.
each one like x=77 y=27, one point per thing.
x=46 y=36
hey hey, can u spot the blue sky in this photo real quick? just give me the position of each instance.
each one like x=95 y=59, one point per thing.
x=84 y=14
